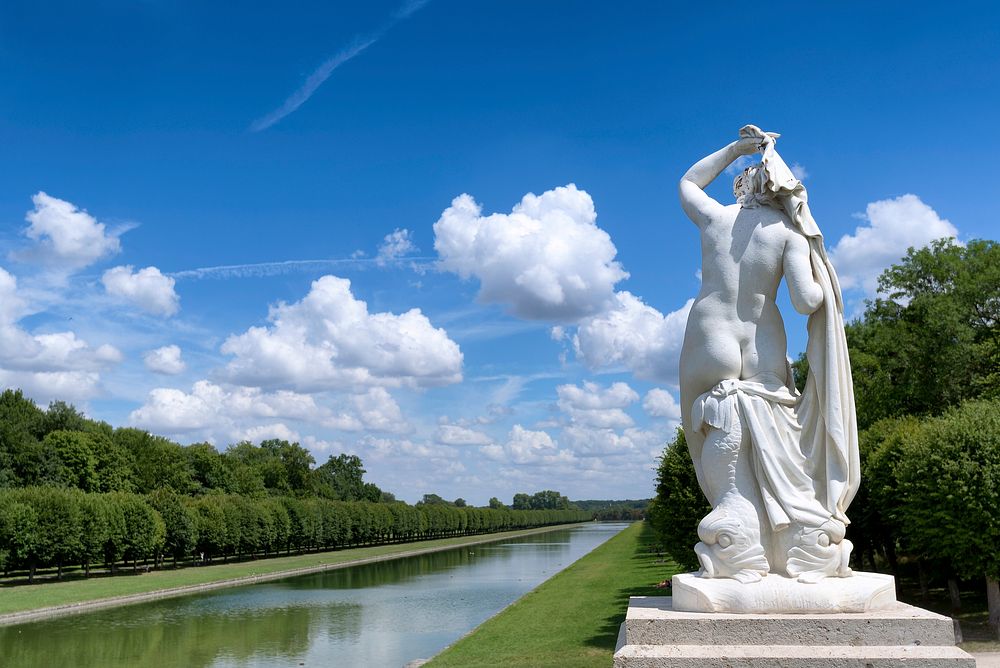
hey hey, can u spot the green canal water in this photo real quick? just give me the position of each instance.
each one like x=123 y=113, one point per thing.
x=383 y=614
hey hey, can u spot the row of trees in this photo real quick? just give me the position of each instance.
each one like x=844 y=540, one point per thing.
x=925 y=358
x=51 y=527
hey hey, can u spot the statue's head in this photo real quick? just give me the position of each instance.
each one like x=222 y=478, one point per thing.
x=750 y=187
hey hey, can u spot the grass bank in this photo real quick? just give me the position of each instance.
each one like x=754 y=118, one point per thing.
x=571 y=619
x=19 y=603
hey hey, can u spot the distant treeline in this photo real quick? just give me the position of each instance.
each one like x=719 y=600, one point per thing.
x=629 y=510
x=51 y=527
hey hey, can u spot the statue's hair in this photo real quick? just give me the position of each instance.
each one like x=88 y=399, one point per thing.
x=750 y=187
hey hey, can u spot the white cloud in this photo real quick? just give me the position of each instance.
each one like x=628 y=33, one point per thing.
x=404 y=449
x=378 y=411
x=597 y=442
x=453 y=434
x=395 y=245
x=894 y=225
x=591 y=406
x=661 y=404
x=66 y=234
x=147 y=288
x=635 y=336
x=166 y=360
x=329 y=340
x=799 y=172
x=227 y=412
x=265 y=432
x=53 y=365
x=47 y=386
x=546 y=260
x=525 y=446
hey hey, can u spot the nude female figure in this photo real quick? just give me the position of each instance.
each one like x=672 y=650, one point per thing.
x=734 y=330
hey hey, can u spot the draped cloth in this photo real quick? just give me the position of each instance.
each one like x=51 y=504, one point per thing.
x=805 y=447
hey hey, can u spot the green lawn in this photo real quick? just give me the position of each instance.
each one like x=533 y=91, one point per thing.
x=573 y=618
x=25 y=597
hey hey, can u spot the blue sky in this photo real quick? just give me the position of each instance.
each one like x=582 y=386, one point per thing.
x=307 y=157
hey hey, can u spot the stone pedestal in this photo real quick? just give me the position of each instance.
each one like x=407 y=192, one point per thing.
x=862 y=592
x=656 y=635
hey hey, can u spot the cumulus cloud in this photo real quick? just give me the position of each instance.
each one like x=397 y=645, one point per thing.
x=404 y=449
x=394 y=246
x=596 y=442
x=525 y=446
x=546 y=260
x=66 y=234
x=166 y=360
x=378 y=411
x=147 y=288
x=329 y=340
x=659 y=403
x=52 y=365
x=453 y=434
x=590 y=405
x=893 y=226
x=265 y=432
x=226 y=411
x=635 y=336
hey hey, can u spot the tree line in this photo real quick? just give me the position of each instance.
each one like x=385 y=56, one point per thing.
x=925 y=357
x=55 y=527
x=78 y=492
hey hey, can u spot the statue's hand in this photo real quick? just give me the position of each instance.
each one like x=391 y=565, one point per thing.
x=748 y=145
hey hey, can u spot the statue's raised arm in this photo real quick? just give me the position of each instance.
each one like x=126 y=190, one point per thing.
x=697 y=204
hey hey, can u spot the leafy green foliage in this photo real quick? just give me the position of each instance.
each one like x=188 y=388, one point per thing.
x=679 y=504
x=545 y=500
x=932 y=338
x=948 y=485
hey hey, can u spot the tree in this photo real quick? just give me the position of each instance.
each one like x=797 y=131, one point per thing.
x=159 y=462
x=296 y=464
x=948 y=481
x=495 y=503
x=180 y=523
x=114 y=466
x=679 y=504
x=76 y=459
x=208 y=468
x=460 y=502
x=21 y=429
x=144 y=528
x=932 y=338
x=63 y=417
x=342 y=477
x=18 y=531
x=544 y=500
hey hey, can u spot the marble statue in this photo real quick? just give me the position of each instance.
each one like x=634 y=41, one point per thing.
x=778 y=467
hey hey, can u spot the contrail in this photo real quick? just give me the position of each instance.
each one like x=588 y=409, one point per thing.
x=323 y=72
x=262 y=269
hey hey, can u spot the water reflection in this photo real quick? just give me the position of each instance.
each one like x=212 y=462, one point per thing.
x=380 y=614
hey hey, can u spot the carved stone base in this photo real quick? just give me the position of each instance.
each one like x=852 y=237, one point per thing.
x=656 y=635
x=862 y=592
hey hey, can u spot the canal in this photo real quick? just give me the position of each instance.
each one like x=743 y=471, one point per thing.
x=381 y=614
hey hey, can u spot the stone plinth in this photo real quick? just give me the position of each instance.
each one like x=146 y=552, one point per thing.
x=655 y=635
x=862 y=592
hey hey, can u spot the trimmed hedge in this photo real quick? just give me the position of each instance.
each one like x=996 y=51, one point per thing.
x=52 y=527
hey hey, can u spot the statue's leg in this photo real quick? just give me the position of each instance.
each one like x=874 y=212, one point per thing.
x=730 y=535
